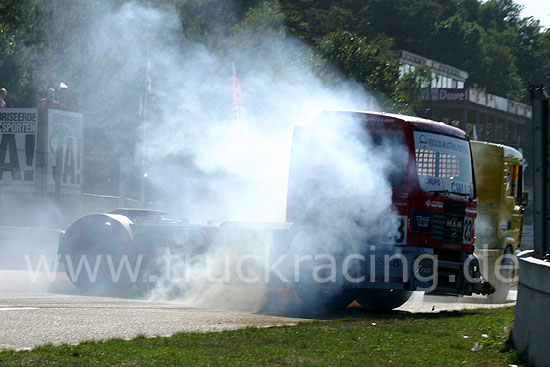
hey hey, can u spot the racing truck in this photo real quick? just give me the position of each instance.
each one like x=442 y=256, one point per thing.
x=423 y=240
x=501 y=203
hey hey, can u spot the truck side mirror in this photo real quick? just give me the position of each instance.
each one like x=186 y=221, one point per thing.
x=524 y=200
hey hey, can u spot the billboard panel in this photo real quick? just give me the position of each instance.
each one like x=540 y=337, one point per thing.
x=444 y=94
x=64 y=150
x=18 y=127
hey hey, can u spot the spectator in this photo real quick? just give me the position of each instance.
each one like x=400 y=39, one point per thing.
x=3 y=94
x=49 y=101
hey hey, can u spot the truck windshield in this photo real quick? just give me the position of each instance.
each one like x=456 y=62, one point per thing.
x=443 y=164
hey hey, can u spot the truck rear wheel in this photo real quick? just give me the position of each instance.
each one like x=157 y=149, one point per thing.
x=382 y=299
x=502 y=286
x=319 y=299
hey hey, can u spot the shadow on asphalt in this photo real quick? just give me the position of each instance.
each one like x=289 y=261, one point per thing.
x=358 y=312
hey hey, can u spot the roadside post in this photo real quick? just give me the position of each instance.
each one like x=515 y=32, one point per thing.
x=532 y=324
x=541 y=181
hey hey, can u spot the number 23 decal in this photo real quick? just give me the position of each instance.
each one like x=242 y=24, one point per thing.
x=394 y=230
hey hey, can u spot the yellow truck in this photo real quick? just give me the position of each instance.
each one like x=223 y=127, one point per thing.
x=501 y=202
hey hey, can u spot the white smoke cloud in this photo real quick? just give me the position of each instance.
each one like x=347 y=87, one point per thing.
x=202 y=169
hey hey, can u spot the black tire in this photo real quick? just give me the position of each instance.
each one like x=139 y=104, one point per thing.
x=502 y=286
x=319 y=299
x=102 y=237
x=381 y=300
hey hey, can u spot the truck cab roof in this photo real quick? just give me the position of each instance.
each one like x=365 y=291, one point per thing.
x=505 y=151
x=417 y=122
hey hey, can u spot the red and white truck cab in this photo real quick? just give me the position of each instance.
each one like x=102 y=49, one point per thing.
x=428 y=239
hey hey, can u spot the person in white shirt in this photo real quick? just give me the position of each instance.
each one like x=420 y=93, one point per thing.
x=3 y=94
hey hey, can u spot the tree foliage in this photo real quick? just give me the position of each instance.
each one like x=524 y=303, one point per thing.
x=45 y=42
x=501 y=51
x=370 y=63
x=488 y=39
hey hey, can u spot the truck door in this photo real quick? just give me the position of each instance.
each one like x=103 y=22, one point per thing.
x=514 y=193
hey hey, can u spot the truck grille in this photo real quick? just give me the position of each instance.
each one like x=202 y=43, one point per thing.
x=454 y=207
x=448 y=227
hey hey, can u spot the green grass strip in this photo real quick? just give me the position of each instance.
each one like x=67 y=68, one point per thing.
x=466 y=338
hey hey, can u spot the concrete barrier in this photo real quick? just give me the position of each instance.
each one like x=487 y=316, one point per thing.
x=532 y=324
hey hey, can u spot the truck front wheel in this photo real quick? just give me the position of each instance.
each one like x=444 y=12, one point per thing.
x=382 y=299
x=503 y=282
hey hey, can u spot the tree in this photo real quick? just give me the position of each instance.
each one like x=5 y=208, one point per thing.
x=18 y=59
x=544 y=76
x=498 y=72
x=468 y=9
x=529 y=51
x=408 y=92
x=499 y=14
x=371 y=64
x=457 y=42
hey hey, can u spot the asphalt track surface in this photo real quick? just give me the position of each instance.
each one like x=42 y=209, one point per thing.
x=42 y=311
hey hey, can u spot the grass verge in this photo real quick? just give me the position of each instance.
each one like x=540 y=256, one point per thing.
x=468 y=338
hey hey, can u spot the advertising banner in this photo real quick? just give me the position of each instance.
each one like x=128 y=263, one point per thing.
x=444 y=94
x=18 y=127
x=64 y=151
